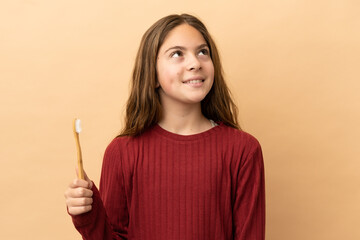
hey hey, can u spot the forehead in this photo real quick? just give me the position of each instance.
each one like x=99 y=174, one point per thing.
x=183 y=35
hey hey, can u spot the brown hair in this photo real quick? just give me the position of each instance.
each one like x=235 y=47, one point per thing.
x=143 y=108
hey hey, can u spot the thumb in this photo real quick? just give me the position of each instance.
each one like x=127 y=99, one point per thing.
x=86 y=178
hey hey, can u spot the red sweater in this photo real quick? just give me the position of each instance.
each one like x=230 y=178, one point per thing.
x=166 y=186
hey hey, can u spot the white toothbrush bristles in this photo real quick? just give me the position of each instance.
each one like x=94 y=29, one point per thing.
x=77 y=126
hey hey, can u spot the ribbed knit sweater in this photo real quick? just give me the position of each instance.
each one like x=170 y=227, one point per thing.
x=166 y=186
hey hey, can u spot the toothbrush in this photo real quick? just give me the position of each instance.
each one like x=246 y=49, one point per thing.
x=77 y=130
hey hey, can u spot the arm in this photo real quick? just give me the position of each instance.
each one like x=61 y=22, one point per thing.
x=249 y=204
x=108 y=218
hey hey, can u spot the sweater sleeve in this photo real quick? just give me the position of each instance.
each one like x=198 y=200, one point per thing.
x=108 y=218
x=249 y=205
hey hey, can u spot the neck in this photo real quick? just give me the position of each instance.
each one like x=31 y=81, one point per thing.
x=184 y=119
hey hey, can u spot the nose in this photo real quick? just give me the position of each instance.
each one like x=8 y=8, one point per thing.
x=193 y=63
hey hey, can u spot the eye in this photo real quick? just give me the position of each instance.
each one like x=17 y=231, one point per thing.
x=176 y=54
x=204 y=51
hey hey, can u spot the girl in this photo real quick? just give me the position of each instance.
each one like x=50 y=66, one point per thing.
x=181 y=167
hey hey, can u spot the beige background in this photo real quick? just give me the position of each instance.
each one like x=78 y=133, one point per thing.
x=293 y=67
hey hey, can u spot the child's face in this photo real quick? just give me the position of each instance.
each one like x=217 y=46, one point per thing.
x=185 y=70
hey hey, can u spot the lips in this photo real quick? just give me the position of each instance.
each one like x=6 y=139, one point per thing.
x=194 y=80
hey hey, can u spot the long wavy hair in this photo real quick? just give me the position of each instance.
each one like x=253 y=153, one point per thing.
x=143 y=108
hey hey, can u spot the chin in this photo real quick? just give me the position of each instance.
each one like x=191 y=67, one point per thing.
x=196 y=99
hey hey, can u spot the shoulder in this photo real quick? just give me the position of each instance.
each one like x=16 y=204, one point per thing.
x=124 y=144
x=244 y=148
x=239 y=137
x=116 y=146
x=241 y=145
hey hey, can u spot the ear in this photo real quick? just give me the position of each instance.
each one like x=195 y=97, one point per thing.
x=157 y=85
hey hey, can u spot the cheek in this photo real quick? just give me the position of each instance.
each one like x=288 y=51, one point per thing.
x=161 y=72
x=162 y=75
x=168 y=74
x=165 y=79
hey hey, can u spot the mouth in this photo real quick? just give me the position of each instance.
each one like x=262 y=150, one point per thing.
x=194 y=81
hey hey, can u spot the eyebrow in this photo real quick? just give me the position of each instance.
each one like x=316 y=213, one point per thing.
x=183 y=48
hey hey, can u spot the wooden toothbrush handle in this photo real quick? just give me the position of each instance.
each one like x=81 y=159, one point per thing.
x=79 y=157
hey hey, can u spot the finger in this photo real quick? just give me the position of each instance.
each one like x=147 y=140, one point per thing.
x=79 y=210
x=78 y=202
x=86 y=178
x=77 y=171
x=78 y=193
x=79 y=183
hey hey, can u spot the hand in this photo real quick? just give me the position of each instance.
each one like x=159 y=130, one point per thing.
x=79 y=196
